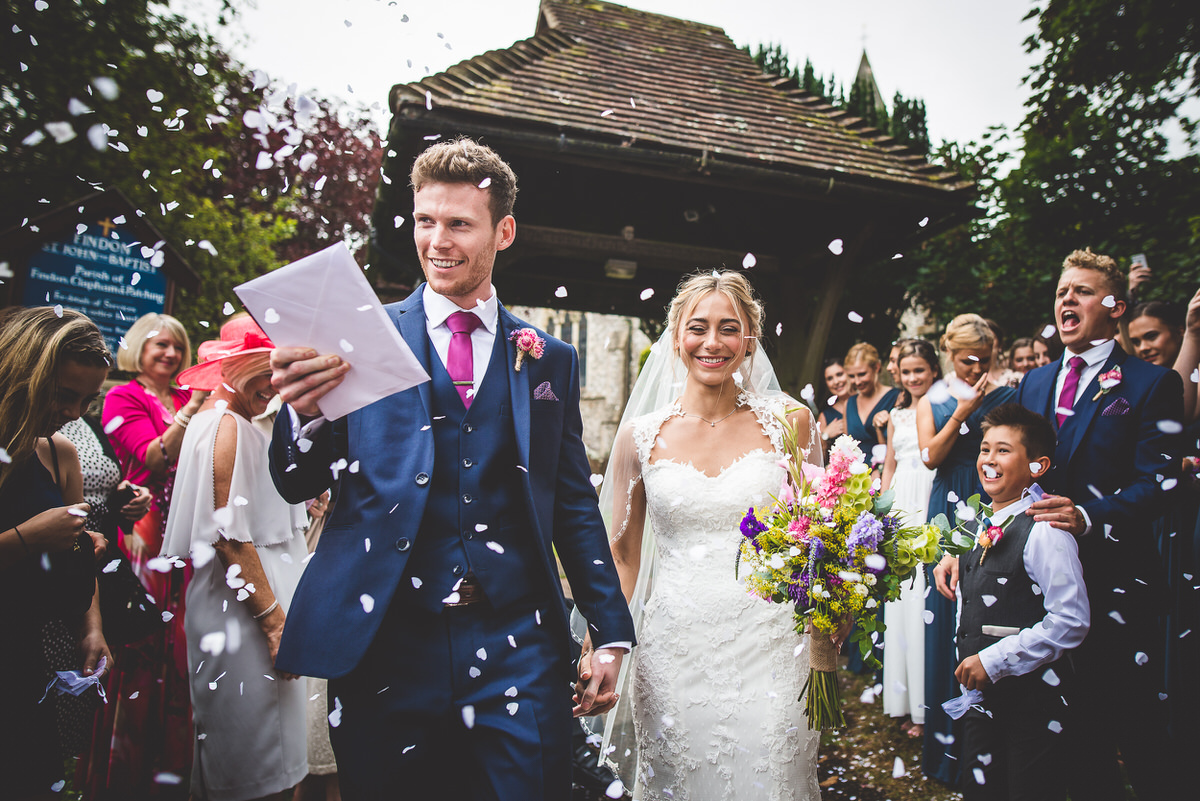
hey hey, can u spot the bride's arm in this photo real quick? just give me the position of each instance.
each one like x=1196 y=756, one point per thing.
x=628 y=511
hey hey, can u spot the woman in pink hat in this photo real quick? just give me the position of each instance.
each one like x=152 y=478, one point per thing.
x=247 y=549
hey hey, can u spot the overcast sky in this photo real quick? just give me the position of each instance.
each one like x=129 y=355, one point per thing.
x=964 y=58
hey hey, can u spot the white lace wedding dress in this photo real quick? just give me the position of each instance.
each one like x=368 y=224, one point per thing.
x=718 y=672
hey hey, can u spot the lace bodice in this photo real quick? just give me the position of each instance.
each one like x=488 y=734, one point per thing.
x=706 y=511
x=718 y=671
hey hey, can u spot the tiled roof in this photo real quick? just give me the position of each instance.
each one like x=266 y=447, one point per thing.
x=656 y=86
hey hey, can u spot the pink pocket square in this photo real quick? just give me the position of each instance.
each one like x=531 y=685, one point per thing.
x=543 y=392
x=1117 y=408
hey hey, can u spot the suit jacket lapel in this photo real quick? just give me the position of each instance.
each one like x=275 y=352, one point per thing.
x=409 y=317
x=1075 y=426
x=1041 y=389
x=518 y=384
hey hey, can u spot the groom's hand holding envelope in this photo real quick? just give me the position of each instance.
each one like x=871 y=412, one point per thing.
x=302 y=377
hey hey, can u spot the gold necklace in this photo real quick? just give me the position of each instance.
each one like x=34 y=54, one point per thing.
x=737 y=405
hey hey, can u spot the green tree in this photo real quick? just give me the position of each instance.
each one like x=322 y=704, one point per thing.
x=239 y=175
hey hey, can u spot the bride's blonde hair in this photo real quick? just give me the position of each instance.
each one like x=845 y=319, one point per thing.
x=734 y=286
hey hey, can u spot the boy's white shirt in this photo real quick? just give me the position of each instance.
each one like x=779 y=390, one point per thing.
x=1051 y=559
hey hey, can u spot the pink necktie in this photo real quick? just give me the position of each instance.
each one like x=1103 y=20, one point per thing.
x=1070 y=386
x=460 y=362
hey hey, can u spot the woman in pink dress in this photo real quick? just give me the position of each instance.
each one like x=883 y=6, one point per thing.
x=143 y=740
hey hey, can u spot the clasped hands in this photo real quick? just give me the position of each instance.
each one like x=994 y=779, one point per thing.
x=596 y=689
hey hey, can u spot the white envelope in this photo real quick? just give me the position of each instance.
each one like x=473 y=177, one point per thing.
x=324 y=302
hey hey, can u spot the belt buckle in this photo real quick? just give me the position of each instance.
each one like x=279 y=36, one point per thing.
x=469 y=592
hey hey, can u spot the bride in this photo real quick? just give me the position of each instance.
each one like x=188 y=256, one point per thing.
x=717 y=674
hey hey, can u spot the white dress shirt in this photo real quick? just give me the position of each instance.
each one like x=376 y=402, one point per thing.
x=1051 y=559
x=438 y=309
x=1095 y=357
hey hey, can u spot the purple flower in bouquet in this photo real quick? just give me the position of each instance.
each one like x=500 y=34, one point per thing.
x=816 y=549
x=752 y=527
x=866 y=533
x=798 y=589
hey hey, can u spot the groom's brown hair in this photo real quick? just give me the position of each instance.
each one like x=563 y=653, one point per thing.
x=465 y=161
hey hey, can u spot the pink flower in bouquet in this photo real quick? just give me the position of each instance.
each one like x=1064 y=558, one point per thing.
x=787 y=494
x=832 y=487
x=798 y=528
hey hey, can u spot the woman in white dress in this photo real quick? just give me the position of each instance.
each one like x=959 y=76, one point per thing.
x=717 y=674
x=905 y=473
x=248 y=550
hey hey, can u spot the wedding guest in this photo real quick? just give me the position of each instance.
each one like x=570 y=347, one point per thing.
x=1022 y=357
x=1117 y=459
x=907 y=476
x=1001 y=373
x=893 y=363
x=1180 y=548
x=867 y=409
x=114 y=504
x=1156 y=332
x=250 y=731
x=1022 y=606
x=949 y=429
x=52 y=365
x=1188 y=359
x=148 y=720
x=1041 y=352
x=832 y=418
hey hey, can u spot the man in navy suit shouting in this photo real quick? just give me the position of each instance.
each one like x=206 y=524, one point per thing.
x=1117 y=420
x=433 y=602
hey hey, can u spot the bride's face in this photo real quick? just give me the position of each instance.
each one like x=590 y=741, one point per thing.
x=712 y=342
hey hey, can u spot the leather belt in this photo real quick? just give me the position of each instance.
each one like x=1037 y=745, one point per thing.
x=469 y=591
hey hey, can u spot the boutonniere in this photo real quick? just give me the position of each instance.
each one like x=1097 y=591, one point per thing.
x=528 y=344
x=1108 y=381
x=989 y=538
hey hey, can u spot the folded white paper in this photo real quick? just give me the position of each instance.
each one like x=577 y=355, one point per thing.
x=1000 y=631
x=324 y=302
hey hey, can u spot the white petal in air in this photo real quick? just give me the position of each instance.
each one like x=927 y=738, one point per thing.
x=835 y=247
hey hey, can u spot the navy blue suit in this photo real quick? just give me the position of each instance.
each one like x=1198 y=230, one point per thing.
x=473 y=700
x=1111 y=459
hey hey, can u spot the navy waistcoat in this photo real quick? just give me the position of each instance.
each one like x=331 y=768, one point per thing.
x=475 y=519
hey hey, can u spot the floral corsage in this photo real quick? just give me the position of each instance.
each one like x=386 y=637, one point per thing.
x=528 y=344
x=1109 y=381
x=989 y=538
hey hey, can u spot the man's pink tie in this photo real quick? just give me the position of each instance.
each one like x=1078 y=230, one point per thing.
x=460 y=362
x=1070 y=386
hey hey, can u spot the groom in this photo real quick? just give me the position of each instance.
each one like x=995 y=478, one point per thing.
x=433 y=602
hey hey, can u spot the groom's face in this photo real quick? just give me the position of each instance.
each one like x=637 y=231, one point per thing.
x=457 y=240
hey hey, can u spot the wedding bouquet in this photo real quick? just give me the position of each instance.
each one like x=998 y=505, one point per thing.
x=831 y=545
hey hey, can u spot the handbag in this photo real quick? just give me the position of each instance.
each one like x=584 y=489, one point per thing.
x=127 y=611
